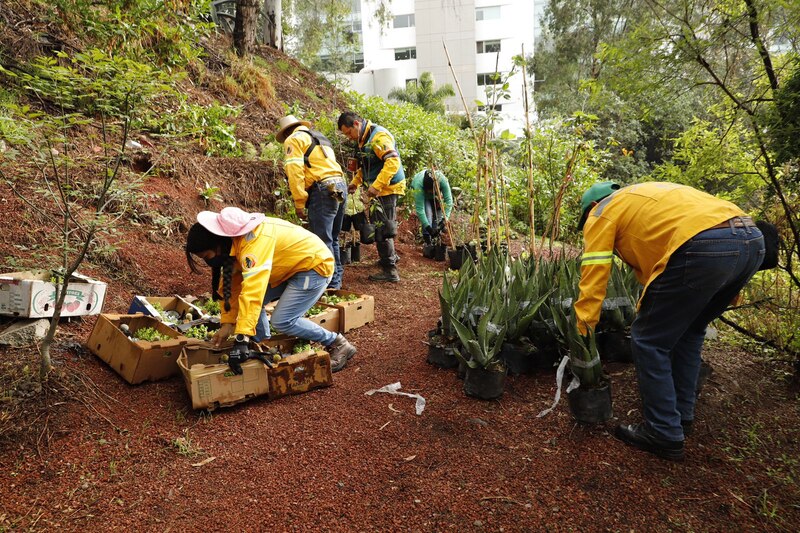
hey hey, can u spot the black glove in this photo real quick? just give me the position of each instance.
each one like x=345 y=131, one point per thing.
x=433 y=231
x=238 y=355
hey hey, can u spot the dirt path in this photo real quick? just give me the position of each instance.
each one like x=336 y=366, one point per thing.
x=335 y=459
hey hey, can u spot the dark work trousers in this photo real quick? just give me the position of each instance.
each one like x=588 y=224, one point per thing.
x=387 y=212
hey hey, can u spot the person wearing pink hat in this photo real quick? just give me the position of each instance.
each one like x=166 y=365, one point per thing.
x=261 y=259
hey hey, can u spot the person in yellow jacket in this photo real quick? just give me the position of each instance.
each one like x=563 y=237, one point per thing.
x=316 y=182
x=693 y=253
x=381 y=172
x=262 y=259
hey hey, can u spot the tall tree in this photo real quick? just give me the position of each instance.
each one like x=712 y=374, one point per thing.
x=424 y=94
x=273 y=25
x=244 y=31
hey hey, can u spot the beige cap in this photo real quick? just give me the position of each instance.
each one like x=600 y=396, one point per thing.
x=287 y=122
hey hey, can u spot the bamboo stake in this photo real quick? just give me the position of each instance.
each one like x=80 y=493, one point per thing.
x=552 y=227
x=529 y=143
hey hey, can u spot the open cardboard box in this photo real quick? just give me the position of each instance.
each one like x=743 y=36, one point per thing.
x=328 y=319
x=139 y=360
x=212 y=384
x=32 y=294
x=145 y=305
x=354 y=313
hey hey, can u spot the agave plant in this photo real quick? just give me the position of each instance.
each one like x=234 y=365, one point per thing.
x=481 y=345
x=525 y=293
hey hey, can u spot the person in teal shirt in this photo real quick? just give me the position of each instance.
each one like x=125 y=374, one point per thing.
x=429 y=209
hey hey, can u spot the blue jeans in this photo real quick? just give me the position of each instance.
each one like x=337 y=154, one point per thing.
x=701 y=279
x=325 y=215
x=434 y=213
x=297 y=295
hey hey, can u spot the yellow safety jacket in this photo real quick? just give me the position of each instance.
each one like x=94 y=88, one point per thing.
x=269 y=255
x=321 y=164
x=643 y=224
x=382 y=144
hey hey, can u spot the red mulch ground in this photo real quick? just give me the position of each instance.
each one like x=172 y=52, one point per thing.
x=335 y=459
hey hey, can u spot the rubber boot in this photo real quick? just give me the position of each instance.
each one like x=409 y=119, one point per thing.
x=386 y=274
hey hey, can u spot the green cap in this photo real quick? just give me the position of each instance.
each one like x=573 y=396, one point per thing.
x=593 y=194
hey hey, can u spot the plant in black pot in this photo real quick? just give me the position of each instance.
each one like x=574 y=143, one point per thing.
x=524 y=296
x=590 y=401
x=480 y=348
x=617 y=314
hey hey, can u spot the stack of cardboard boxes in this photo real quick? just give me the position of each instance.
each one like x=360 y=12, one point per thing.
x=209 y=380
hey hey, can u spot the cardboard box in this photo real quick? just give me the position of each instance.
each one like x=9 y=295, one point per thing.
x=329 y=319
x=212 y=384
x=136 y=361
x=145 y=305
x=354 y=313
x=32 y=294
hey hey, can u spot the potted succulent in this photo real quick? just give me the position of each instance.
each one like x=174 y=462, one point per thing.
x=480 y=346
x=616 y=316
x=590 y=402
x=525 y=292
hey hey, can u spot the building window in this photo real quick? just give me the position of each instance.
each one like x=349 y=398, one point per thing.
x=411 y=82
x=496 y=107
x=402 y=54
x=488 y=47
x=404 y=21
x=487 y=13
x=358 y=62
x=489 y=78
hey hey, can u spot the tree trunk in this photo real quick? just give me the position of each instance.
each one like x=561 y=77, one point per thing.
x=244 y=33
x=273 y=27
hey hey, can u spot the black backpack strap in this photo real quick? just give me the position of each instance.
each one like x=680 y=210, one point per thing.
x=317 y=139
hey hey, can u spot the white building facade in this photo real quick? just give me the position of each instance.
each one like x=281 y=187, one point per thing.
x=482 y=36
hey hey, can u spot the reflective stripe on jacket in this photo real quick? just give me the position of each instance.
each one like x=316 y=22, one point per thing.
x=420 y=195
x=322 y=160
x=269 y=255
x=643 y=224
x=380 y=163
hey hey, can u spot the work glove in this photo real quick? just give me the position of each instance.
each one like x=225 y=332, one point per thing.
x=238 y=355
x=433 y=231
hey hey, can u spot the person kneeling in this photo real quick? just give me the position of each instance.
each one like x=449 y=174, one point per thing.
x=260 y=259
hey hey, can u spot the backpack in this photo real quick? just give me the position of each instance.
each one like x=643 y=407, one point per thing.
x=317 y=139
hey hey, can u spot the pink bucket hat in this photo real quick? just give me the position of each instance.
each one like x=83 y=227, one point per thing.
x=230 y=222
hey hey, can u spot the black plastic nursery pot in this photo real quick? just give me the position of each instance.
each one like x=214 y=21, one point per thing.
x=461 y=370
x=345 y=256
x=441 y=355
x=367 y=232
x=357 y=219
x=455 y=259
x=347 y=222
x=428 y=251
x=355 y=252
x=591 y=405
x=485 y=384
x=518 y=357
x=614 y=346
x=440 y=252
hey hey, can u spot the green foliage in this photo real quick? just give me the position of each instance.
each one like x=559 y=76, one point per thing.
x=784 y=119
x=144 y=30
x=301 y=347
x=150 y=335
x=198 y=332
x=211 y=307
x=93 y=82
x=424 y=95
x=422 y=138
x=332 y=299
x=210 y=124
x=316 y=310
x=209 y=193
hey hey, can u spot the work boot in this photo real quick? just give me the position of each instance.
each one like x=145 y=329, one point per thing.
x=340 y=351
x=640 y=436
x=688 y=427
x=387 y=274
